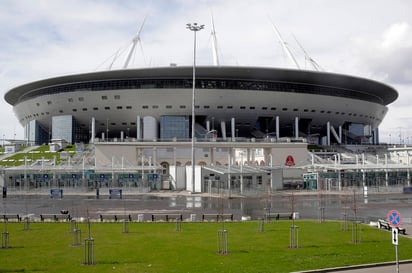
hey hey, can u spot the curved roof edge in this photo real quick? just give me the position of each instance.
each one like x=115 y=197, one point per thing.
x=363 y=85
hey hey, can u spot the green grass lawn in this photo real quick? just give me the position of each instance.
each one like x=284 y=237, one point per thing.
x=158 y=247
x=42 y=152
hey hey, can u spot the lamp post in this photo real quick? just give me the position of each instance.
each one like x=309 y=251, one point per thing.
x=195 y=28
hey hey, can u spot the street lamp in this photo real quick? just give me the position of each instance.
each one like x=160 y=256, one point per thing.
x=195 y=28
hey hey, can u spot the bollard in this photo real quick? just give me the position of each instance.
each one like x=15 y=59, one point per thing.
x=4 y=192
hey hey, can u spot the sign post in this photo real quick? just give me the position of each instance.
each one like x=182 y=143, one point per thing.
x=395 y=220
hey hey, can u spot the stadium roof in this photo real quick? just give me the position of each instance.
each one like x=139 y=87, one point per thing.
x=362 y=86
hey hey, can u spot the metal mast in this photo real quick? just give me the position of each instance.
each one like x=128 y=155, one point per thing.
x=214 y=44
x=285 y=46
x=135 y=40
x=314 y=64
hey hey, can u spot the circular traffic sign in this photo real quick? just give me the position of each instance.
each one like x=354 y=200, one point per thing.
x=394 y=218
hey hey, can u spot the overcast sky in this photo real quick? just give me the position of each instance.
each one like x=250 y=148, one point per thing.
x=368 y=38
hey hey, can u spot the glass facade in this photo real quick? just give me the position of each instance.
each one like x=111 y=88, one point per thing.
x=174 y=127
x=62 y=128
x=35 y=134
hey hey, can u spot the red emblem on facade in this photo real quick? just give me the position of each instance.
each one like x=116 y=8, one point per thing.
x=290 y=161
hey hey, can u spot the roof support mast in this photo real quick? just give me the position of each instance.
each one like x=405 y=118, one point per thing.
x=314 y=64
x=285 y=46
x=214 y=44
x=135 y=40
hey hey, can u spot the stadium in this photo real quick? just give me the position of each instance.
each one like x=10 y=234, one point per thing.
x=234 y=102
x=252 y=126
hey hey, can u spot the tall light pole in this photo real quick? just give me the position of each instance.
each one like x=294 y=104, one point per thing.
x=195 y=28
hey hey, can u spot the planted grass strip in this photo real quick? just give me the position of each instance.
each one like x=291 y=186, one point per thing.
x=157 y=247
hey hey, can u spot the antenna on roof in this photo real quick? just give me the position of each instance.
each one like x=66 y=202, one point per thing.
x=214 y=43
x=284 y=45
x=136 y=39
x=314 y=64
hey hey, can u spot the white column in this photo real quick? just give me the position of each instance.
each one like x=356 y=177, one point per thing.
x=223 y=128
x=233 y=129
x=277 y=128
x=328 y=133
x=296 y=127
x=93 y=130
x=208 y=125
x=138 y=128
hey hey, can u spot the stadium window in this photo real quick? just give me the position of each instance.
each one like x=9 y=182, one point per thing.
x=284 y=109
x=107 y=108
x=342 y=113
x=264 y=108
x=197 y=106
x=95 y=108
x=113 y=123
x=60 y=111
x=74 y=110
x=119 y=107
x=81 y=99
x=70 y=99
x=132 y=123
x=42 y=114
x=145 y=107
x=47 y=113
x=337 y=113
x=168 y=107
x=128 y=107
x=38 y=104
x=49 y=102
x=124 y=123
x=219 y=107
x=182 y=106
x=251 y=107
x=229 y=107
x=322 y=111
x=155 y=106
x=313 y=110
x=104 y=97
x=273 y=108
x=84 y=109
x=328 y=112
x=206 y=106
x=117 y=97
x=295 y=109
x=242 y=107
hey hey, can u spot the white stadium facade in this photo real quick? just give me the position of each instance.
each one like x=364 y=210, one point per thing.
x=237 y=102
x=252 y=129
